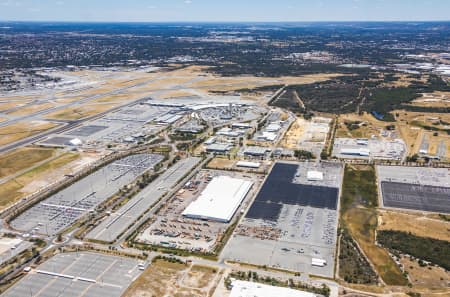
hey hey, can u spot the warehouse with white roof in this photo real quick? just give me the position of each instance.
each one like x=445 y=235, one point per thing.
x=219 y=200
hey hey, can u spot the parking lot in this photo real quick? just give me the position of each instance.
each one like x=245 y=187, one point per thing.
x=115 y=224
x=415 y=188
x=62 y=209
x=289 y=233
x=78 y=274
x=171 y=228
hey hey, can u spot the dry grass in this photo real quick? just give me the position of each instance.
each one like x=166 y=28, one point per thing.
x=221 y=163
x=409 y=124
x=20 y=130
x=76 y=113
x=173 y=279
x=370 y=126
x=216 y=83
x=8 y=105
x=32 y=109
x=417 y=224
x=427 y=277
x=362 y=223
x=20 y=159
x=13 y=190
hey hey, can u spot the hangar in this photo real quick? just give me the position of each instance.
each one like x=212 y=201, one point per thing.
x=219 y=200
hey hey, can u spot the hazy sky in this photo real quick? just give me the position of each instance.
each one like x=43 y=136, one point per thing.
x=226 y=10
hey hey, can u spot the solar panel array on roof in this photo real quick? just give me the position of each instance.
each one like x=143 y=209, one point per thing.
x=264 y=210
x=279 y=189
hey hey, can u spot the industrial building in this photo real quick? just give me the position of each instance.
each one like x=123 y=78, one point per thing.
x=251 y=289
x=219 y=200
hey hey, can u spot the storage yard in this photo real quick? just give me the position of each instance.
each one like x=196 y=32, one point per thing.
x=292 y=223
x=415 y=188
x=63 y=208
x=118 y=222
x=369 y=149
x=196 y=217
x=78 y=274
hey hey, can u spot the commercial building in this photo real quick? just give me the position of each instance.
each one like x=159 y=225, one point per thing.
x=250 y=289
x=219 y=200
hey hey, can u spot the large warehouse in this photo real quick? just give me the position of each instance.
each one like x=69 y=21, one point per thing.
x=219 y=200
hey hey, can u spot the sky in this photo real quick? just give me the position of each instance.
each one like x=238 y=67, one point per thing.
x=224 y=10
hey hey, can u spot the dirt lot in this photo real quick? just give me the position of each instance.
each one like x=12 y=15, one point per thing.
x=420 y=225
x=20 y=159
x=165 y=279
x=221 y=163
x=20 y=130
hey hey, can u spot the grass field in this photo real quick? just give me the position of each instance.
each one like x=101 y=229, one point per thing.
x=359 y=216
x=20 y=130
x=12 y=190
x=20 y=159
x=163 y=278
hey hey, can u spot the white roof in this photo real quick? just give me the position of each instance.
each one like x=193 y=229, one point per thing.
x=315 y=175
x=250 y=289
x=220 y=199
x=75 y=141
x=248 y=164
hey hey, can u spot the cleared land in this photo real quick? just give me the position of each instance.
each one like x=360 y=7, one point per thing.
x=13 y=190
x=221 y=163
x=435 y=99
x=417 y=224
x=359 y=126
x=419 y=127
x=164 y=278
x=359 y=216
x=22 y=158
x=20 y=130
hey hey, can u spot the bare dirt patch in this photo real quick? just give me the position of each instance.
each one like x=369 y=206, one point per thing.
x=163 y=278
